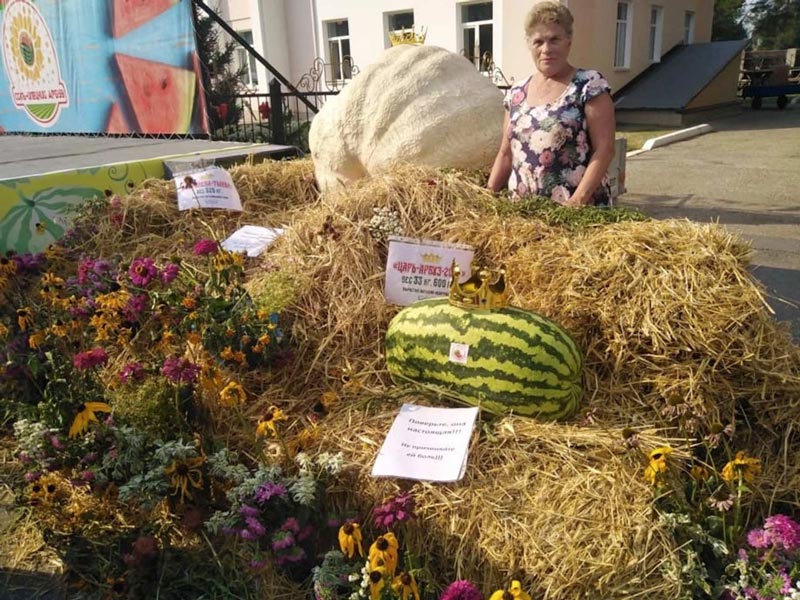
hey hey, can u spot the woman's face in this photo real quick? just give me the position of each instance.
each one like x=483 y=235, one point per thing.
x=550 y=46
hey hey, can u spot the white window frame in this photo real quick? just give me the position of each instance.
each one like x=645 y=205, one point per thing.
x=625 y=27
x=656 y=32
x=689 y=22
x=476 y=27
x=244 y=59
x=388 y=20
x=340 y=77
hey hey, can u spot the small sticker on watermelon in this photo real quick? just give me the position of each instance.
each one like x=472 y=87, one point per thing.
x=130 y=14
x=201 y=116
x=116 y=121
x=161 y=95
x=459 y=353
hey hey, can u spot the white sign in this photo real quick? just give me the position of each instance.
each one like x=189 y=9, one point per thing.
x=211 y=187
x=429 y=444
x=417 y=269
x=251 y=239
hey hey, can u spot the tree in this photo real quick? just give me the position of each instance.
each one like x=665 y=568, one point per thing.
x=728 y=17
x=221 y=81
x=775 y=24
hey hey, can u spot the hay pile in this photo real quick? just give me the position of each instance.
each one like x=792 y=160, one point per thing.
x=676 y=334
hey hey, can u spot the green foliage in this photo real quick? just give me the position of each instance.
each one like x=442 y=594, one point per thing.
x=148 y=406
x=552 y=213
x=728 y=17
x=275 y=290
x=775 y=24
x=221 y=82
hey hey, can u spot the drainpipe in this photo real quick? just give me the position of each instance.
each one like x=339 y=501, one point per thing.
x=313 y=5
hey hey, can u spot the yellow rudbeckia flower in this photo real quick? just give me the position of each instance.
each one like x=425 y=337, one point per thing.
x=186 y=474
x=86 y=416
x=405 y=585
x=267 y=422
x=384 y=553
x=350 y=539
x=377 y=581
x=743 y=466
x=658 y=464
x=232 y=394
x=514 y=592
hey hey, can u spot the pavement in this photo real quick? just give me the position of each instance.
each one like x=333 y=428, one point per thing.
x=744 y=175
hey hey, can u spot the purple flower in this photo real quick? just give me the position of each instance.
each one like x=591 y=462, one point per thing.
x=133 y=371
x=87 y=475
x=56 y=443
x=398 y=509
x=142 y=271
x=179 y=370
x=305 y=533
x=269 y=490
x=169 y=273
x=249 y=511
x=246 y=534
x=205 y=247
x=758 y=538
x=89 y=359
x=32 y=476
x=89 y=458
x=255 y=526
x=783 y=532
x=461 y=590
x=28 y=263
x=294 y=555
x=291 y=524
x=282 y=540
x=257 y=565
x=135 y=306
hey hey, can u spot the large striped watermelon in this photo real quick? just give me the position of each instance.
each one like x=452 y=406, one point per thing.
x=506 y=360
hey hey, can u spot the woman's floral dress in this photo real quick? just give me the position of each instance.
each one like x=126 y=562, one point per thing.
x=550 y=145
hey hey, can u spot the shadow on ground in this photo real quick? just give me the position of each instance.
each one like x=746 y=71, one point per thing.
x=27 y=585
x=782 y=286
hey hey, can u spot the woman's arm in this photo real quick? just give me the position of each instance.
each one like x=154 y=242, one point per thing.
x=501 y=169
x=602 y=127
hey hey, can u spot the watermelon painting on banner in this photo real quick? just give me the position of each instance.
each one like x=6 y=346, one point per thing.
x=99 y=66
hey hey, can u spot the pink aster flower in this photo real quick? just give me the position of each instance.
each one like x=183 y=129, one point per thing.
x=783 y=531
x=89 y=359
x=180 y=370
x=205 y=247
x=133 y=371
x=758 y=538
x=142 y=271
x=282 y=540
x=169 y=273
x=461 y=590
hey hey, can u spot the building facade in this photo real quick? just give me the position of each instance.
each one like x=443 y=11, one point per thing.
x=620 y=38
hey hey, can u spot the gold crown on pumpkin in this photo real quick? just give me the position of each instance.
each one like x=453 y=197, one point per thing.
x=484 y=290
x=431 y=258
x=407 y=36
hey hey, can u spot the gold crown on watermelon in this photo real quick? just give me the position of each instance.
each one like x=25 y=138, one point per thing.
x=484 y=290
x=408 y=36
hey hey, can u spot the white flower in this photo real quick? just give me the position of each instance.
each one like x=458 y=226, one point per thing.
x=560 y=194
x=539 y=141
x=524 y=122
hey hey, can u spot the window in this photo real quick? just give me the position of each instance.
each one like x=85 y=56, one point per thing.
x=622 y=45
x=476 y=23
x=246 y=62
x=688 y=27
x=399 y=23
x=341 y=65
x=656 y=28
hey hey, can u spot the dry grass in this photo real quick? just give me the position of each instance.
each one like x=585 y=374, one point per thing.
x=676 y=333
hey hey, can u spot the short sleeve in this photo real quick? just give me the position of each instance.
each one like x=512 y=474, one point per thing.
x=507 y=98
x=594 y=84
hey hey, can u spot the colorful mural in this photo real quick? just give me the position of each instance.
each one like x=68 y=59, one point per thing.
x=99 y=66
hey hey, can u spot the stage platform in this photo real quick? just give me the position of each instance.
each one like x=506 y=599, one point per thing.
x=43 y=177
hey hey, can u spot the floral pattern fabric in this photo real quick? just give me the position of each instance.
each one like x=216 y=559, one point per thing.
x=550 y=145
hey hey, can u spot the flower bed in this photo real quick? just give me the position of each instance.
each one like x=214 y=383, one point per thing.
x=191 y=423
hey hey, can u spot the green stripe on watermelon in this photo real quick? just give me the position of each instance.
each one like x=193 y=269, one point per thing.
x=500 y=328
x=517 y=361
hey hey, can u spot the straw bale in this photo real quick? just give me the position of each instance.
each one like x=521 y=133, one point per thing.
x=564 y=508
x=149 y=221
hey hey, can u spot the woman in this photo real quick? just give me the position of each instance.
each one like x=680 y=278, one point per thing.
x=559 y=122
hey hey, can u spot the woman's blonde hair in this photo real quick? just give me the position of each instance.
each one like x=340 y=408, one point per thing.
x=548 y=13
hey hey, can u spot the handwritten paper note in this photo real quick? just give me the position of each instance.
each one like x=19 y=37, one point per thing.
x=211 y=187
x=251 y=239
x=426 y=443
